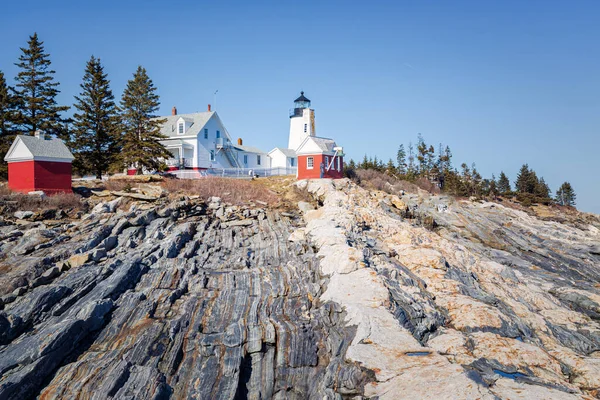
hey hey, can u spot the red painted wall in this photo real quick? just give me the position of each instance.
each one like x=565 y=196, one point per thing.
x=315 y=172
x=49 y=176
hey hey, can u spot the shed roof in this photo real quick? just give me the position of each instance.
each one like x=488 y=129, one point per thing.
x=26 y=148
x=286 y=152
x=316 y=145
x=248 y=149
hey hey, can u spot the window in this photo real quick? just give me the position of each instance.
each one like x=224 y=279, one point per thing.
x=212 y=155
x=218 y=134
x=292 y=162
x=326 y=161
x=305 y=127
x=257 y=159
x=206 y=134
x=310 y=162
x=180 y=128
x=245 y=158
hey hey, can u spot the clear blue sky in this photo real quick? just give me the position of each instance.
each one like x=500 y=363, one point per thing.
x=502 y=83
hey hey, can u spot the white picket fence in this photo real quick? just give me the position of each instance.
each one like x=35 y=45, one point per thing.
x=240 y=173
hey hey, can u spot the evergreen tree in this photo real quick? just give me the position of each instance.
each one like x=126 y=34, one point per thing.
x=503 y=184
x=352 y=164
x=96 y=124
x=141 y=146
x=493 y=187
x=401 y=160
x=363 y=164
x=565 y=195
x=422 y=152
x=390 y=168
x=7 y=119
x=411 y=171
x=542 y=189
x=36 y=91
x=526 y=180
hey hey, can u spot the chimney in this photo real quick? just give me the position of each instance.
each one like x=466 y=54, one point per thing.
x=240 y=141
x=174 y=111
x=39 y=134
x=209 y=108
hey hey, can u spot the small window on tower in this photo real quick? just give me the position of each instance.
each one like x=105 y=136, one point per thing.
x=305 y=127
x=310 y=162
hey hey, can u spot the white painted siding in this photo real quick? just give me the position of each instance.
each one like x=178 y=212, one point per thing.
x=297 y=128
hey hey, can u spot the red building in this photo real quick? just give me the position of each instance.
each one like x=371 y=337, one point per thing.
x=36 y=163
x=320 y=158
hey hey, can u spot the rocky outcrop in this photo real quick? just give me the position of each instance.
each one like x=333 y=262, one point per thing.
x=460 y=299
x=179 y=300
x=366 y=295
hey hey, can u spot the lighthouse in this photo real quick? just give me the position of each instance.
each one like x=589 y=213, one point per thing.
x=302 y=122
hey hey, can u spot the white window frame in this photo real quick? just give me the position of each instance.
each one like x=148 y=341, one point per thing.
x=212 y=155
x=310 y=162
x=181 y=128
x=205 y=133
x=246 y=159
x=258 y=159
x=326 y=162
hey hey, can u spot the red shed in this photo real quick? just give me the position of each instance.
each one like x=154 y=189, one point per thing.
x=36 y=163
x=320 y=158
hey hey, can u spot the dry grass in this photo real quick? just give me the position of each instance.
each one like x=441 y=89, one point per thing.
x=371 y=179
x=234 y=191
x=11 y=201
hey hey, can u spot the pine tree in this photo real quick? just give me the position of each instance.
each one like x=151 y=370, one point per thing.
x=365 y=163
x=141 y=146
x=352 y=164
x=422 y=152
x=401 y=160
x=7 y=119
x=565 y=195
x=96 y=124
x=503 y=184
x=36 y=91
x=493 y=187
x=542 y=189
x=526 y=180
x=390 y=168
x=410 y=171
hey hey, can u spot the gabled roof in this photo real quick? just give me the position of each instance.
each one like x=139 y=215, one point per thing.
x=248 y=149
x=26 y=148
x=286 y=152
x=198 y=120
x=316 y=145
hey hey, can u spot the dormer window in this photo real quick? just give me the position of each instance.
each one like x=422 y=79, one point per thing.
x=181 y=128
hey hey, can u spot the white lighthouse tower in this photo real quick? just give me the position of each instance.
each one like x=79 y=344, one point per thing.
x=302 y=122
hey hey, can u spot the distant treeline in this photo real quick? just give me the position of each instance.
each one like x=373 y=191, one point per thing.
x=430 y=168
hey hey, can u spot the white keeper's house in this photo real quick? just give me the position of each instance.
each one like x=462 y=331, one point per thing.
x=200 y=141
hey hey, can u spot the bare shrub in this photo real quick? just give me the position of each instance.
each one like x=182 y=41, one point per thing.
x=372 y=179
x=12 y=201
x=426 y=185
x=234 y=191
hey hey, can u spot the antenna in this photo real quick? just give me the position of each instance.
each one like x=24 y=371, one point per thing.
x=215 y=98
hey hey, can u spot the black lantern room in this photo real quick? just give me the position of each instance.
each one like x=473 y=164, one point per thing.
x=300 y=103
